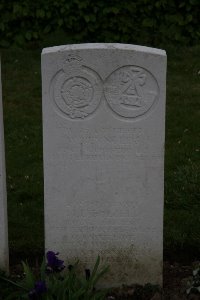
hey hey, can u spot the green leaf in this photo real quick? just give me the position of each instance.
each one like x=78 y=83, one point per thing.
x=16 y=8
x=19 y=39
x=189 y=18
x=29 y=277
x=43 y=270
x=148 y=22
x=60 y=22
x=47 y=29
x=87 y=18
x=40 y=13
x=95 y=267
x=28 y=35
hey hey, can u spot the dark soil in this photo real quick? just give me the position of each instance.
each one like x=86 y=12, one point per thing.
x=175 y=280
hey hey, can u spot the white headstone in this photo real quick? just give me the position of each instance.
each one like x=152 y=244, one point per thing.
x=3 y=200
x=104 y=123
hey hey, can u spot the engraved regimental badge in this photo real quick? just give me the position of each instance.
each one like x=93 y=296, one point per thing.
x=76 y=89
x=131 y=91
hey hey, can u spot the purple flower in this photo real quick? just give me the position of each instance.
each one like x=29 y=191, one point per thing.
x=39 y=288
x=53 y=263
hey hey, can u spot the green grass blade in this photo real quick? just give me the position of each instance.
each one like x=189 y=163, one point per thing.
x=29 y=277
x=14 y=283
x=43 y=270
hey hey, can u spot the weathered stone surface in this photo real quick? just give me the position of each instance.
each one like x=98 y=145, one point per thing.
x=103 y=125
x=3 y=200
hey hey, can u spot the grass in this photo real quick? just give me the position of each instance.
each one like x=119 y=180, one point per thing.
x=182 y=163
x=23 y=135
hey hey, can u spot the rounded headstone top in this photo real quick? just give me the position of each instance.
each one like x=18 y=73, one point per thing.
x=111 y=46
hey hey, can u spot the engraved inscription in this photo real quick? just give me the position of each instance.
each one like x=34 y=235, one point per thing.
x=131 y=91
x=101 y=144
x=76 y=89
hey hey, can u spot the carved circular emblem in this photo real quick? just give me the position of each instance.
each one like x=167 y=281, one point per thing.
x=131 y=91
x=76 y=89
x=77 y=92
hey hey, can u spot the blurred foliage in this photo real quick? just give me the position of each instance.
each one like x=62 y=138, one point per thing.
x=139 y=21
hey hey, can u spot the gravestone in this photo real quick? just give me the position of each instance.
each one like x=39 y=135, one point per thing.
x=103 y=136
x=3 y=203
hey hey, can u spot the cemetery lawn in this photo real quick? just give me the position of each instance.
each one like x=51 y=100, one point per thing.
x=21 y=80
